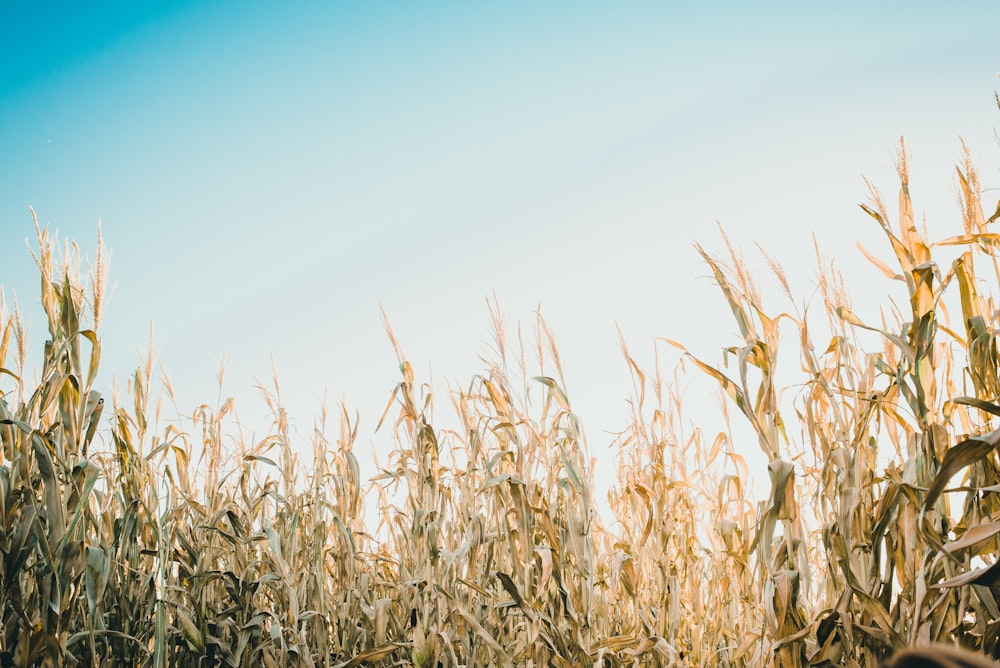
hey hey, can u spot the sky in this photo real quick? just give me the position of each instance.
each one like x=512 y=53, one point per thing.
x=268 y=176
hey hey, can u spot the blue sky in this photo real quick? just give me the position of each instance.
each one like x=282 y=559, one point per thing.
x=268 y=174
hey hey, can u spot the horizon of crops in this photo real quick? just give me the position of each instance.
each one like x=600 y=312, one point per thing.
x=131 y=539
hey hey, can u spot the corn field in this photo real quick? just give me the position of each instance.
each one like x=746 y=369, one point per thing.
x=128 y=539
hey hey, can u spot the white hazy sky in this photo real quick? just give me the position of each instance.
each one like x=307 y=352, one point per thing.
x=267 y=174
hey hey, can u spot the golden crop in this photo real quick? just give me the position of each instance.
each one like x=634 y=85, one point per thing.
x=128 y=540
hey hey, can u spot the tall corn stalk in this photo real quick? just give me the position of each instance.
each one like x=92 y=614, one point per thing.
x=895 y=558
